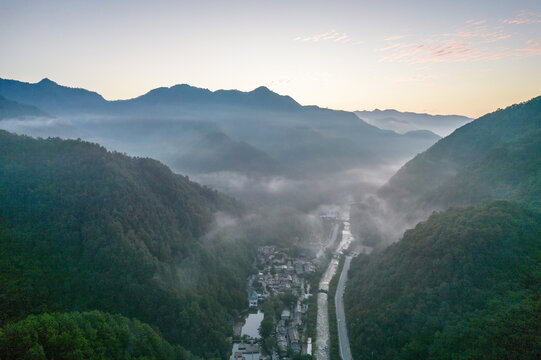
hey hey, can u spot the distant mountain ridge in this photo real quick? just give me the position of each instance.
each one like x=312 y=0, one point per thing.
x=168 y=122
x=51 y=97
x=186 y=94
x=12 y=109
x=403 y=122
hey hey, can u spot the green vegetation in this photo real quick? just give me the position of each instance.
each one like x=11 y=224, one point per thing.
x=88 y=335
x=510 y=171
x=83 y=229
x=494 y=157
x=310 y=318
x=465 y=284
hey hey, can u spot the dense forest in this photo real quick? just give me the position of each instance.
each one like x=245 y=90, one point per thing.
x=83 y=229
x=465 y=284
x=494 y=157
x=89 y=335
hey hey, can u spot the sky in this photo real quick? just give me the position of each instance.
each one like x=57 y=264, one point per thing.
x=441 y=57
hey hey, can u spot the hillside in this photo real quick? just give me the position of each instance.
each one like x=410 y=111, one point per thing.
x=89 y=335
x=218 y=152
x=12 y=109
x=496 y=156
x=403 y=122
x=463 y=284
x=167 y=122
x=85 y=229
x=53 y=98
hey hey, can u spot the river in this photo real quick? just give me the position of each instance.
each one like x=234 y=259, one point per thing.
x=322 y=341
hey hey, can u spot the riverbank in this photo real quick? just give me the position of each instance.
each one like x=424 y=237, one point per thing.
x=323 y=340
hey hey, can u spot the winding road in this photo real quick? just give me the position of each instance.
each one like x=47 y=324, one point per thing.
x=323 y=336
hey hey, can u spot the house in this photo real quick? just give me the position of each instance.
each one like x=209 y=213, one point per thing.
x=281 y=342
x=299 y=268
x=294 y=340
x=252 y=300
x=245 y=351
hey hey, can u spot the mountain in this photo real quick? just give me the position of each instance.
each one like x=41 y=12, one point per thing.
x=186 y=95
x=87 y=335
x=218 y=152
x=53 y=98
x=167 y=122
x=402 y=122
x=494 y=157
x=86 y=229
x=465 y=284
x=292 y=134
x=423 y=134
x=12 y=109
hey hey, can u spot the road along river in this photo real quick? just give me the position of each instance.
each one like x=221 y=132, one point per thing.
x=322 y=341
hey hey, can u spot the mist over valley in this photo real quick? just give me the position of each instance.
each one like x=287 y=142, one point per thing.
x=270 y=180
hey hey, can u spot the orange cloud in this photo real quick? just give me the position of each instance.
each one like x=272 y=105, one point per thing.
x=474 y=41
x=524 y=17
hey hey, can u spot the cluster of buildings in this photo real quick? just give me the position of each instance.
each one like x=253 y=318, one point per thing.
x=246 y=351
x=287 y=330
x=279 y=273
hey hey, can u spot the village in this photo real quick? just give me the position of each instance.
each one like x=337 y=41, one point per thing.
x=279 y=274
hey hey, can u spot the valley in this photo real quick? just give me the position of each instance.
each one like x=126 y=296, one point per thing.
x=294 y=246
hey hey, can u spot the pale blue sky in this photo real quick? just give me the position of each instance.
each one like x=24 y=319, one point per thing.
x=466 y=57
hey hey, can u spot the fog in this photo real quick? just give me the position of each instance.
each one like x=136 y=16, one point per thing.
x=317 y=172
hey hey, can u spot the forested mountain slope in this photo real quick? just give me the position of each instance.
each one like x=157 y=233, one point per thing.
x=89 y=335
x=218 y=152
x=465 y=284
x=496 y=156
x=84 y=229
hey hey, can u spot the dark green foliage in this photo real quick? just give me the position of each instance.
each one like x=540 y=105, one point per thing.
x=494 y=157
x=82 y=228
x=465 y=284
x=510 y=171
x=89 y=335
